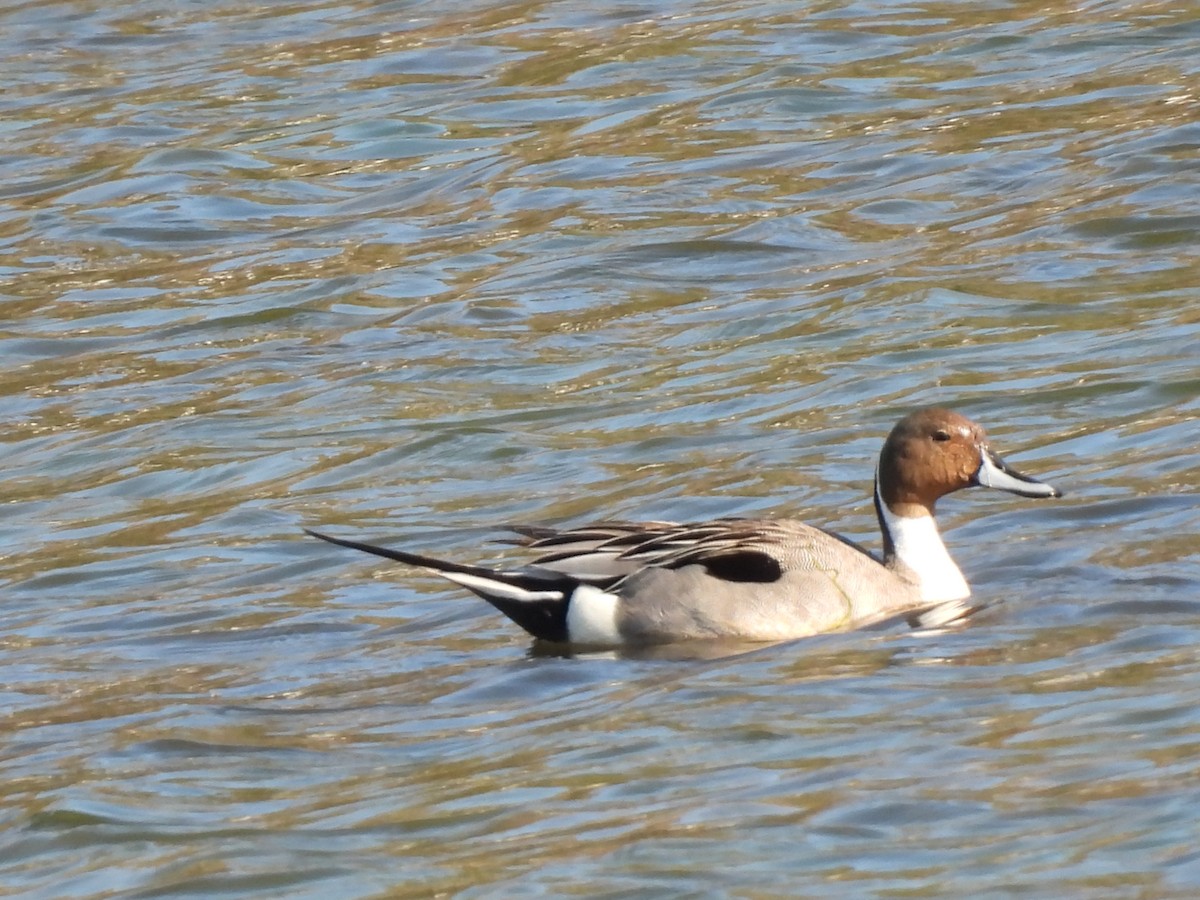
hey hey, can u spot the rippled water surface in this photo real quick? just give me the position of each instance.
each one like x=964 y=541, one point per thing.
x=411 y=271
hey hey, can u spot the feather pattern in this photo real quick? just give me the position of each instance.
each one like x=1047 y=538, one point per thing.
x=618 y=582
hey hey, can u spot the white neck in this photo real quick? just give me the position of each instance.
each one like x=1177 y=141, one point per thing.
x=917 y=543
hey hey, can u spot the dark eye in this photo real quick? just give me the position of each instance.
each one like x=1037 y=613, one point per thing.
x=941 y=435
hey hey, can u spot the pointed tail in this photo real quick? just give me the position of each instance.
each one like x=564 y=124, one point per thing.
x=534 y=598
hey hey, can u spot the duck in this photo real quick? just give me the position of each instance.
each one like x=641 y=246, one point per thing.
x=613 y=583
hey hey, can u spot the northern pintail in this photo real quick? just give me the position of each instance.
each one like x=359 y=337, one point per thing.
x=634 y=583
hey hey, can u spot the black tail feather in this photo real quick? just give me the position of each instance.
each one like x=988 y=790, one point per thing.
x=542 y=613
x=403 y=556
x=545 y=620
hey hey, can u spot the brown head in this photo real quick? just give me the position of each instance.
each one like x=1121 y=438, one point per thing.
x=933 y=452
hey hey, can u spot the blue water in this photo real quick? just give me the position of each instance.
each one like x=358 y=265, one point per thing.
x=410 y=274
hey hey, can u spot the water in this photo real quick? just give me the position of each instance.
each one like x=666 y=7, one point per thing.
x=409 y=274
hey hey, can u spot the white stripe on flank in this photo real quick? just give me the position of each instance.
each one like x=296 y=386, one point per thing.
x=592 y=617
x=496 y=588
